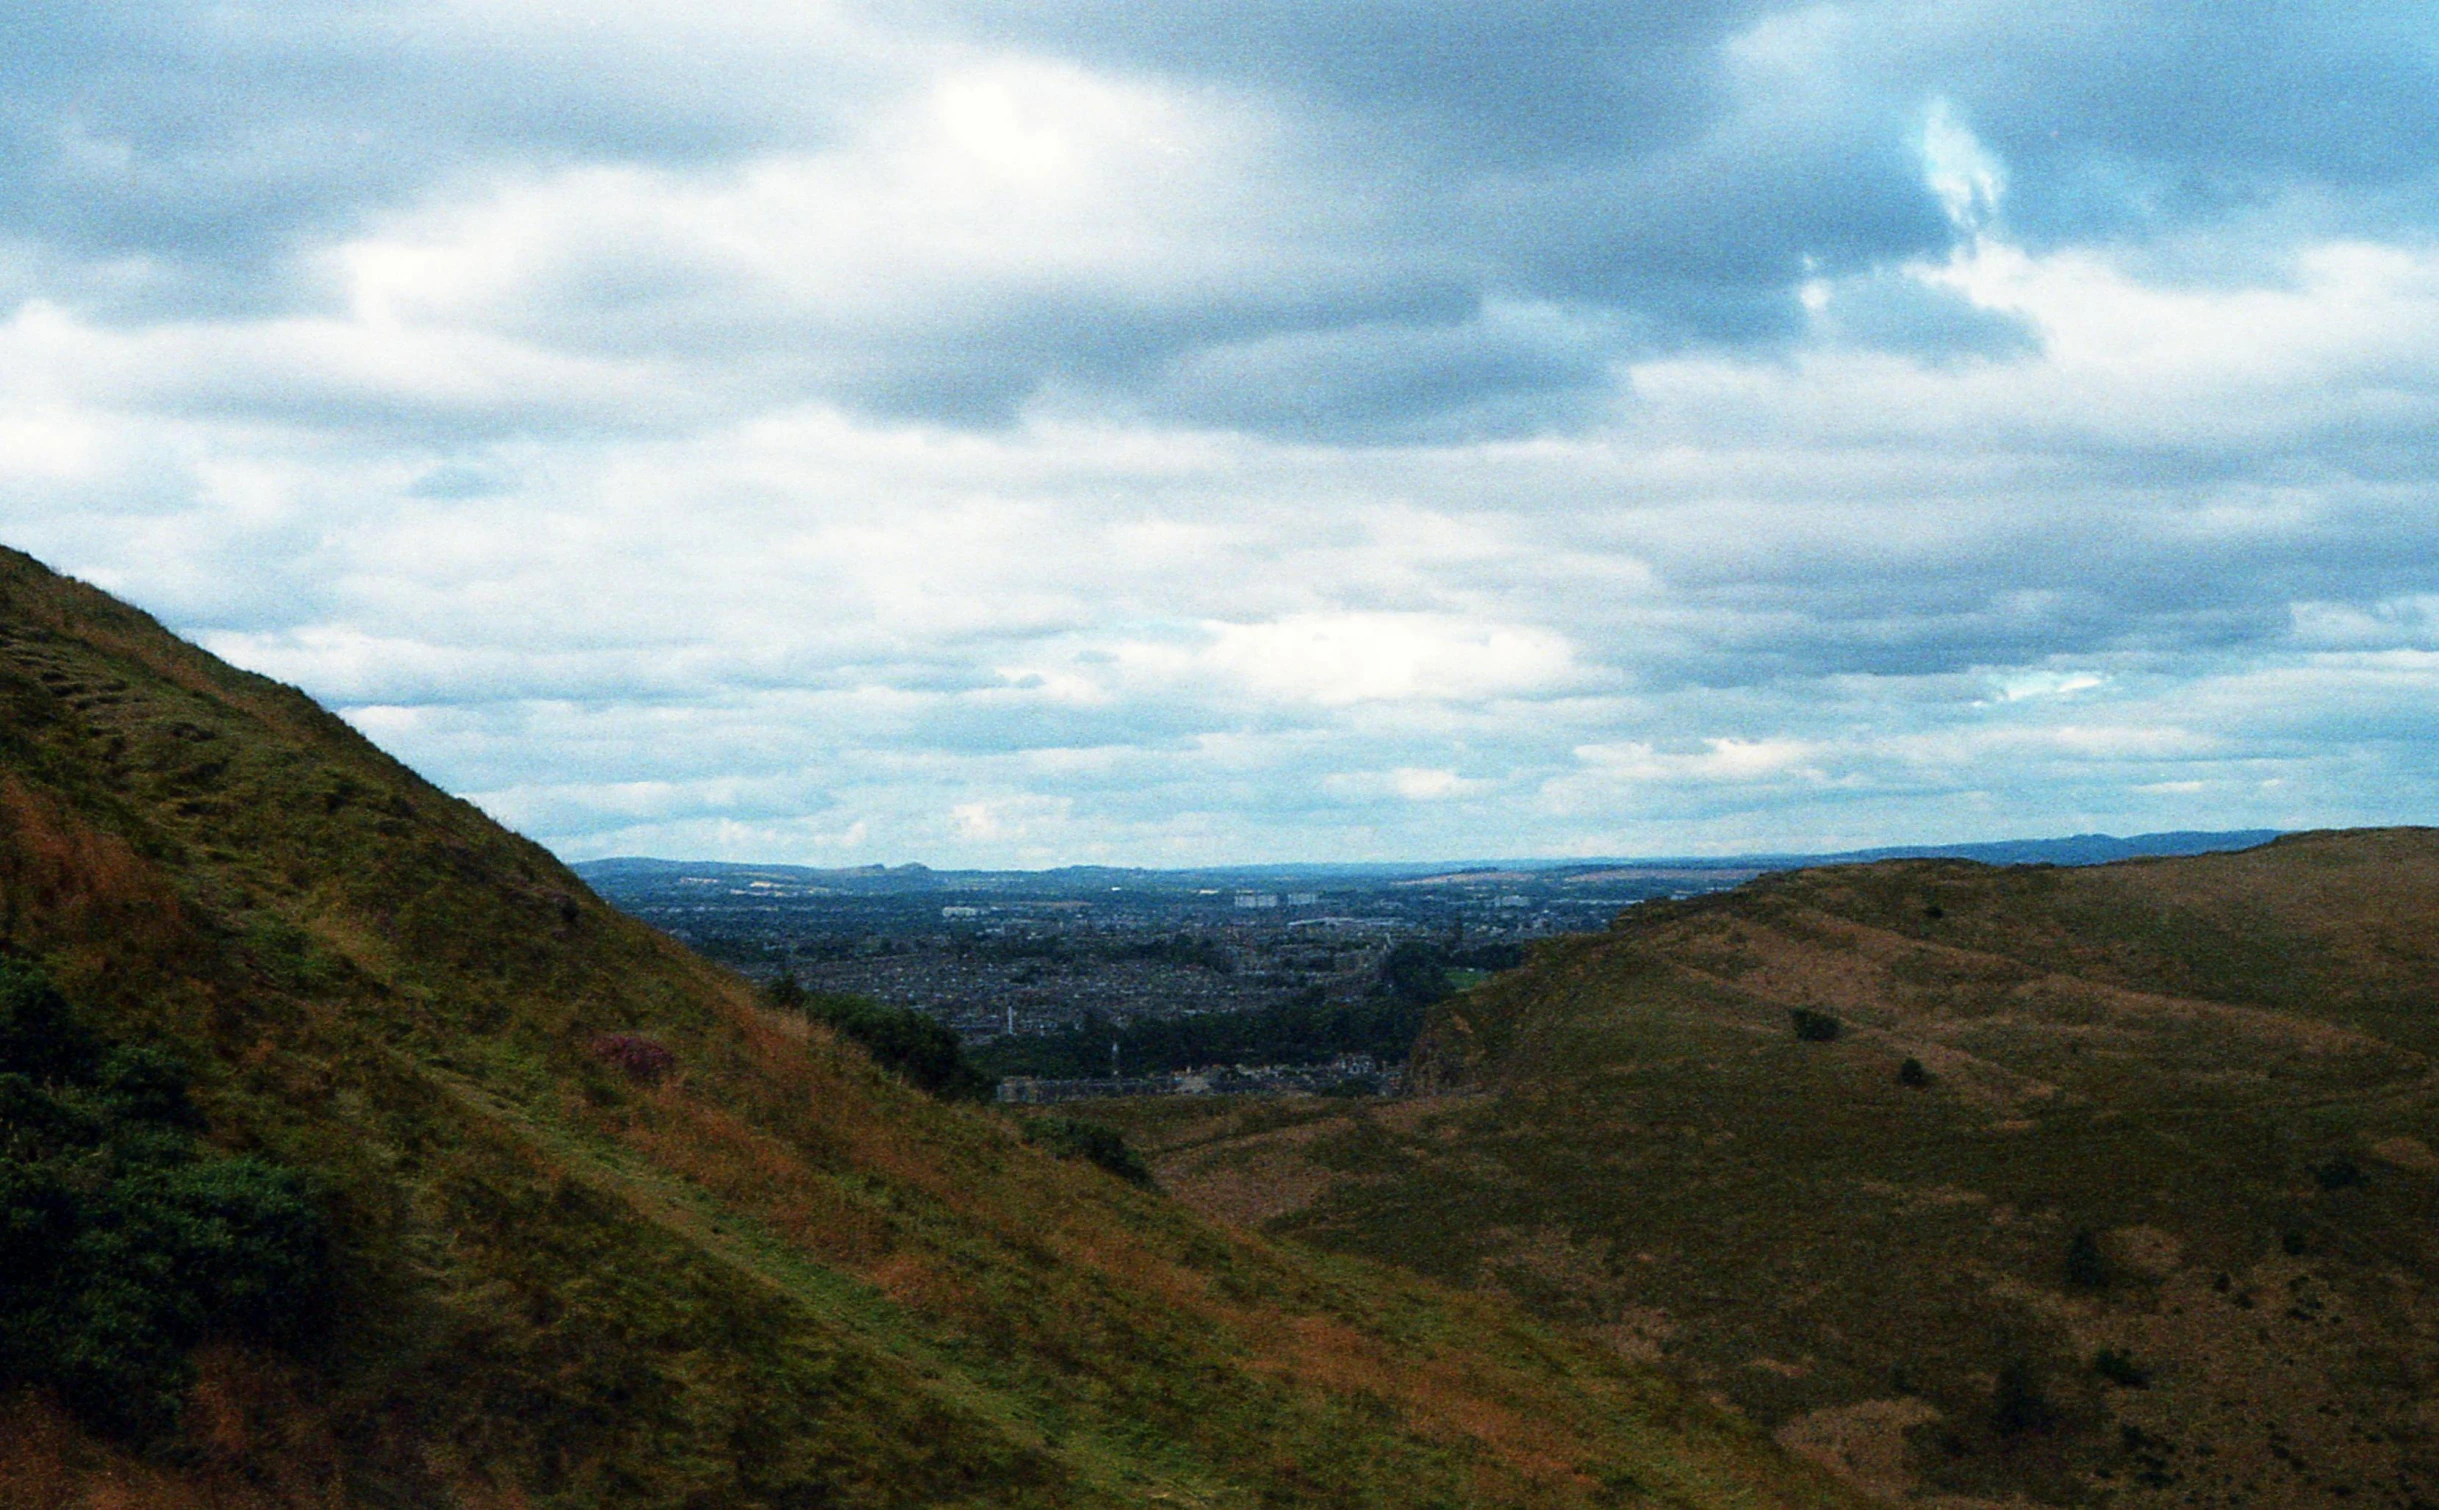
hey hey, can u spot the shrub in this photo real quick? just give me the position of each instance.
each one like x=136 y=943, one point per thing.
x=2121 y=1370
x=1813 y=1026
x=2087 y=1268
x=1416 y=973
x=916 y=1048
x=786 y=994
x=39 y=1036
x=123 y=1242
x=642 y=1059
x=2337 y=1172
x=2017 y=1401
x=1911 y=1073
x=1093 y=1142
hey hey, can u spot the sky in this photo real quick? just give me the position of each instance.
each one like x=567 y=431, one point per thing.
x=1173 y=432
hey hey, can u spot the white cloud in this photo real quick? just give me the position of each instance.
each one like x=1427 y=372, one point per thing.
x=2018 y=686
x=1062 y=450
x=1337 y=659
x=1960 y=170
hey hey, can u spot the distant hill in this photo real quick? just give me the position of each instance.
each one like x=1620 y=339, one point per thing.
x=602 y=1231
x=2081 y=849
x=2110 y=1183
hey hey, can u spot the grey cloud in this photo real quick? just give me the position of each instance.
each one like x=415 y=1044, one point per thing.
x=2123 y=119
x=1386 y=382
x=1518 y=83
x=1885 y=310
x=184 y=151
x=1626 y=158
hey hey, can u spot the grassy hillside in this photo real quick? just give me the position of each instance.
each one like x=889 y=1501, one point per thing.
x=736 y=1266
x=2150 y=1218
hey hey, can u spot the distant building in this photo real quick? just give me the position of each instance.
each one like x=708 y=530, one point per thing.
x=1304 y=899
x=961 y=912
x=1253 y=900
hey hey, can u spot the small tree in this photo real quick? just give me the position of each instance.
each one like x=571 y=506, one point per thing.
x=786 y=994
x=1912 y=1074
x=1416 y=973
x=1814 y=1027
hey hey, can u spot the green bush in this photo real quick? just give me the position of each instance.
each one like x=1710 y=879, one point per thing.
x=123 y=1242
x=1093 y=1142
x=2120 y=1370
x=1416 y=973
x=786 y=993
x=39 y=1037
x=1912 y=1074
x=910 y=1045
x=1814 y=1027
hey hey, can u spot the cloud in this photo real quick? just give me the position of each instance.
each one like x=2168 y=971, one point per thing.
x=1195 y=432
x=1356 y=658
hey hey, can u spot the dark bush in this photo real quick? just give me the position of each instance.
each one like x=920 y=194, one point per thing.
x=916 y=1048
x=1494 y=956
x=2087 y=1268
x=2119 y=1369
x=1911 y=1073
x=147 y=1086
x=2018 y=1403
x=39 y=1037
x=1416 y=973
x=1093 y=1142
x=785 y=994
x=124 y=1242
x=2338 y=1172
x=1814 y=1027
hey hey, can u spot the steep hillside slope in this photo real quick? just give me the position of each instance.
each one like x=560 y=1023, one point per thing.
x=763 y=1274
x=2150 y=1215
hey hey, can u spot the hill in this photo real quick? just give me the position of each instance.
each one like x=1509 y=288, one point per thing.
x=2079 y=849
x=2071 y=1184
x=600 y=1230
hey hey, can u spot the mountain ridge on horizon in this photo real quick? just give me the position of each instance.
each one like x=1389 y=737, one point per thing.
x=2073 y=849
